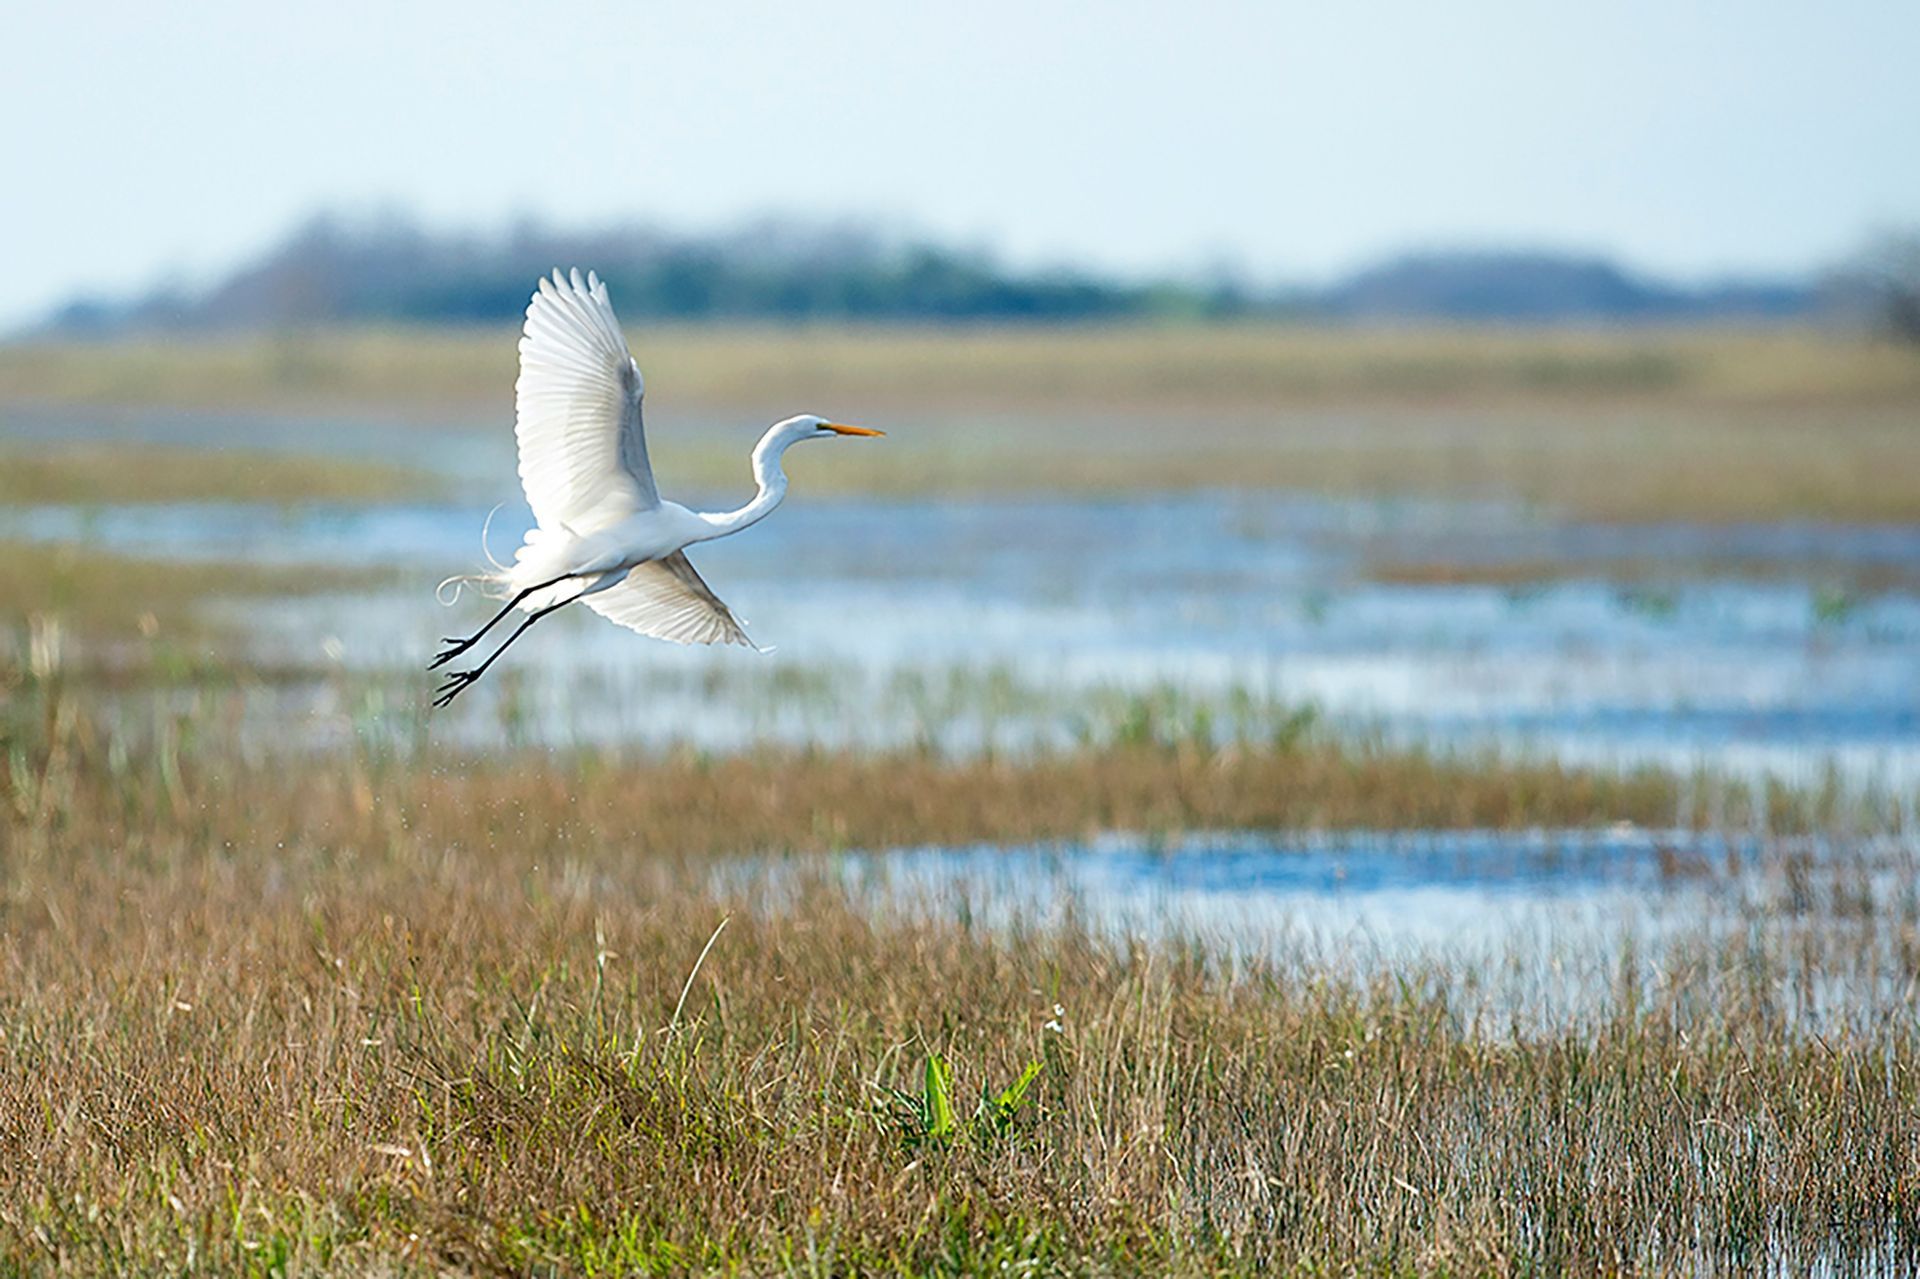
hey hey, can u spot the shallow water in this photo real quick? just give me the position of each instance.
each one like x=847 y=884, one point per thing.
x=1042 y=621
x=1547 y=924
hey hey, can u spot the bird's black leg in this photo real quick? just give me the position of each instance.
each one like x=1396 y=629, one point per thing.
x=457 y=646
x=458 y=681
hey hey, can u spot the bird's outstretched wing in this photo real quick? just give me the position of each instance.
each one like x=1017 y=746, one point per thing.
x=667 y=600
x=583 y=453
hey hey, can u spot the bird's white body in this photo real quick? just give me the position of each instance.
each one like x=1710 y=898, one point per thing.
x=640 y=537
x=603 y=535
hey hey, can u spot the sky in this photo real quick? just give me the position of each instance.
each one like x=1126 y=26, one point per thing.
x=1288 y=141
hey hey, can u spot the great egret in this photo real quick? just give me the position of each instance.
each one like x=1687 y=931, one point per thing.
x=604 y=537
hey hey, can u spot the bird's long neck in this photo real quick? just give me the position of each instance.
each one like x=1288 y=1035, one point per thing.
x=771 y=482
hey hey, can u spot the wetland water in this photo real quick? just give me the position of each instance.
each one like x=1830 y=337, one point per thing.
x=1535 y=930
x=1026 y=622
x=964 y=624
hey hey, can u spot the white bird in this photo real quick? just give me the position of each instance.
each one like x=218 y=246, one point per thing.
x=604 y=537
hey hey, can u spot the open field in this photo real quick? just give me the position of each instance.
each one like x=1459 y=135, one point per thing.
x=1619 y=425
x=378 y=1017
x=85 y=475
x=1160 y=368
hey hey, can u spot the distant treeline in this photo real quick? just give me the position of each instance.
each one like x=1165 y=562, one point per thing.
x=337 y=271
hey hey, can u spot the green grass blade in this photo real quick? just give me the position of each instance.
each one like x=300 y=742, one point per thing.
x=939 y=1099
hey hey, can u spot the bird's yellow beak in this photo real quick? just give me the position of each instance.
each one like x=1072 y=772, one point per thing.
x=841 y=428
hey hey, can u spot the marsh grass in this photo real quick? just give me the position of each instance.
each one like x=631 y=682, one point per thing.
x=985 y=367
x=395 y=1008
x=372 y=1016
x=1838 y=585
x=123 y=651
x=57 y=737
x=105 y=596
x=90 y=475
x=1642 y=424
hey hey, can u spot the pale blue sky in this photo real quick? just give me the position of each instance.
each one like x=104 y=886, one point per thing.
x=1293 y=139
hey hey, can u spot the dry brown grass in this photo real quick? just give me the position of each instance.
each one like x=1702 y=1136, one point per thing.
x=86 y=475
x=1006 y=369
x=356 y=1020
x=1836 y=575
x=1638 y=424
x=784 y=801
x=1593 y=460
x=106 y=596
x=90 y=717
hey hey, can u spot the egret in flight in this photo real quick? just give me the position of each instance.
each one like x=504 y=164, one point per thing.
x=604 y=536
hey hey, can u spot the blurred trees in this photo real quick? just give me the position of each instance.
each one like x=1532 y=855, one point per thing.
x=333 y=270
x=1880 y=285
x=387 y=269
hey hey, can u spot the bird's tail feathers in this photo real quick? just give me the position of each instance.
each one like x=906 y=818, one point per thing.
x=486 y=550
x=545 y=555
x=493 y=586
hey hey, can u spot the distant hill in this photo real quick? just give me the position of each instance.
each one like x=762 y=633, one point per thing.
x=1523 y=287
x=337 y=271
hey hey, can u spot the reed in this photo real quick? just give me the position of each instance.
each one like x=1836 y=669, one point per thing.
x=346 y=1020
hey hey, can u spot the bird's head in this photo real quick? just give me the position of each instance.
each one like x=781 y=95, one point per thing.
x=808 y=427
x=781 y=435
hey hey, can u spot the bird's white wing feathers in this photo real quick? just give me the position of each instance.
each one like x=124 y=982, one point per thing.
x=666 y=599
x=583 y=454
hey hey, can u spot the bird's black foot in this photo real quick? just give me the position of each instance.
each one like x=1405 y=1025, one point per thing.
x=455 y=646
x=457 y=683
